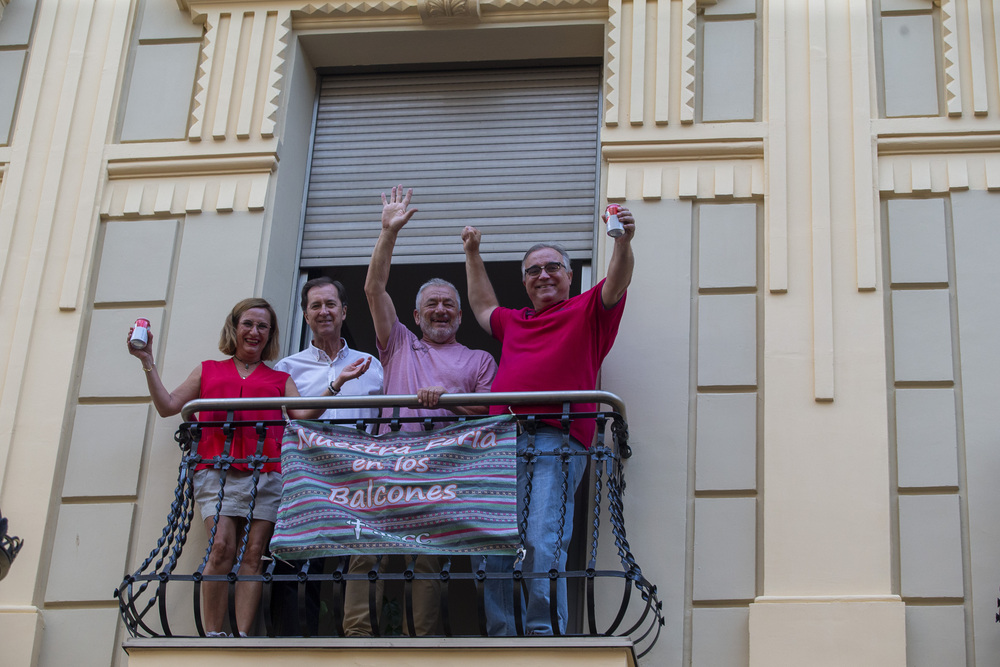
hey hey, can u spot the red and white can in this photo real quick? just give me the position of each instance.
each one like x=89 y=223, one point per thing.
x=140 y=334
x=615 y=228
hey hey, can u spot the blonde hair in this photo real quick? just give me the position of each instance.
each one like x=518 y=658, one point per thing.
x=227 y=339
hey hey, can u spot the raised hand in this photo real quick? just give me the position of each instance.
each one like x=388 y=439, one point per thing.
x=144 y=355
x=628 y=222
x=395 y=209
x=471 y=238
x=355 y=369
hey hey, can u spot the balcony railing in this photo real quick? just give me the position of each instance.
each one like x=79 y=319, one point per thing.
x=604 y=601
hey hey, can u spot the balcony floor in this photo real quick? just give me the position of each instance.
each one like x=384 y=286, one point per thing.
x=418 y=652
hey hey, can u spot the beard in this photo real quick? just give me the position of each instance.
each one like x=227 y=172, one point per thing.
x=437 y=333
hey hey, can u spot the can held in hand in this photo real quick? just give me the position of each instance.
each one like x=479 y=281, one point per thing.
x=615 y=228
x=140 y=334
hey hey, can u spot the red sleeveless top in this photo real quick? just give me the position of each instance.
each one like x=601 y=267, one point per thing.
x=220 y=379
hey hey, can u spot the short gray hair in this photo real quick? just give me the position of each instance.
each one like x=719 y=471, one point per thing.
x=540 y=246
x=438 y=282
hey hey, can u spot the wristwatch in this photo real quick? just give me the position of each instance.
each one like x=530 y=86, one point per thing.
x=332 y=390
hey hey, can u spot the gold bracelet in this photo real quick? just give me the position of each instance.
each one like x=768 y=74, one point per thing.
x=148 y=370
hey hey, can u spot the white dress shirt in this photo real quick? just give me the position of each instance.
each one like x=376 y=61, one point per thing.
x=312 y=370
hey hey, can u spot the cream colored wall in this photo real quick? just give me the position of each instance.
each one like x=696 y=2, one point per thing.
x=827 y=536
x=825 y=539
x=939 y=161
x=234 y=235
x=52 y=180
x=96 y=233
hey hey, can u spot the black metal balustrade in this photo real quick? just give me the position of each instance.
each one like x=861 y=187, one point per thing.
x=9 y=547
x=143 y=594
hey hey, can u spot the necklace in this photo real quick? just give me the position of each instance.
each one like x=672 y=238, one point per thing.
x=246 y=366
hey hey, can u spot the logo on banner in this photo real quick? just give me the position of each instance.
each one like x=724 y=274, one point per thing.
x=449 y=491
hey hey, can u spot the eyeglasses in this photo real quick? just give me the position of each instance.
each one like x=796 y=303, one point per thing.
x=260 y=326
x=550 y=268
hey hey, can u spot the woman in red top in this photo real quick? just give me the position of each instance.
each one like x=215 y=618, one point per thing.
x=250 y=337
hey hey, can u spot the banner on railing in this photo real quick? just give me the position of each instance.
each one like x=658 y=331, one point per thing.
x=449 y=491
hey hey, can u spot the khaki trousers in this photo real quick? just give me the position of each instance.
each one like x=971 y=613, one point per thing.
x=426 y=596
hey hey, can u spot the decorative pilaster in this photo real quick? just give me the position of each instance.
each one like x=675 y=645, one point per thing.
x=977 y=47
x=661 y=108
x=92 y=172
x=776 y=155
x=820 y=213
x=865 y=200
x=638 y=64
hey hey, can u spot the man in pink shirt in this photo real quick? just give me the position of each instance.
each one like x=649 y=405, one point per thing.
x=436 y=363
x=557 y=345
x=428 y=366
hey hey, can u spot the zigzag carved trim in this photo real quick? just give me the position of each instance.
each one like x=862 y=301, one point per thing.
x=283 y=29
x=689 y=25
x=952 y=70
x=614 y=55
x=203 y=76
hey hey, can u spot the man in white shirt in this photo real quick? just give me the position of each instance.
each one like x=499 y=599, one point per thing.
x=328 y=365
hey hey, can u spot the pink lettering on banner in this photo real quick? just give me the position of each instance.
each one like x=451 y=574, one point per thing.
x=398 y=492
x=380 y=496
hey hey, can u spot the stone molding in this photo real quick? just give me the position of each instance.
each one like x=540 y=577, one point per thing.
x=243 y=54
x=448 y=11
x=141 y=198
x=179 y=186
x=724 y=178
x=927 y=162
x=305 y=12
x=938 y=173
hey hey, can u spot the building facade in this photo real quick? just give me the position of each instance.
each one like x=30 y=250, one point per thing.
x=806 y=355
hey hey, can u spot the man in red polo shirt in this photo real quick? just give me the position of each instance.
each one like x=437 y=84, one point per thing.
x=556 y=345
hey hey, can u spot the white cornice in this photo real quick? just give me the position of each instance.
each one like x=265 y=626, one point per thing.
x=191 y=165
x=431 y=11
x=965 y=142
x=684 y=150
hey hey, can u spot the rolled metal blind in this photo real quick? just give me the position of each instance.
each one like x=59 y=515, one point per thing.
x=511 y=151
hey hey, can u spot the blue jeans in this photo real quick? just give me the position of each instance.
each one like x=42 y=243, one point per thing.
x=541 y=538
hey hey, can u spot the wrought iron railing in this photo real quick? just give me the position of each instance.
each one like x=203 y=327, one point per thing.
x=599 y=606
x=9 y=547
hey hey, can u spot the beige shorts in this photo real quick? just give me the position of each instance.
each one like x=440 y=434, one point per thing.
x=236 y=502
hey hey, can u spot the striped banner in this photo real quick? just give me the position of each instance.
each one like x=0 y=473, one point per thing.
x=449 y=491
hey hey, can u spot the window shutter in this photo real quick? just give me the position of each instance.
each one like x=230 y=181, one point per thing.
x=510 y=151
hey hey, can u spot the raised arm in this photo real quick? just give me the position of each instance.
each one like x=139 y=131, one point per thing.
x=395 y=214
x=482 y=298
x=167 y=403
x=621 y=264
